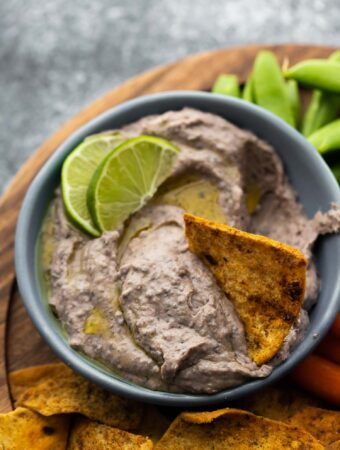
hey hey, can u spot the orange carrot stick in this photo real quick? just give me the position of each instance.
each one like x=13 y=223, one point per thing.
x=335 y=329
x=319 y=376
x=330 y=348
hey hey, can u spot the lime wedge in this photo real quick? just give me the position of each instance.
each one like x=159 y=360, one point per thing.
x=104 y=134
x=127 y=178
x=77 y=172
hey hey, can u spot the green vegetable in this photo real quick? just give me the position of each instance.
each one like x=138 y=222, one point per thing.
x=336 y=171
x=294 y=98
x=248 y=93
x=335 y=56
x=321 y=74
x=327 y=138
x=227 y=85
x=323 y=107
x=270 y=90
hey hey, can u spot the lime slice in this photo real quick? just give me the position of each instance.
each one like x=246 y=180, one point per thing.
x=77 y=172
x=127 y=178
x=104 y=134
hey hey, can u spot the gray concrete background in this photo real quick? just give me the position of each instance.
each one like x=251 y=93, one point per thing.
x=56 y=56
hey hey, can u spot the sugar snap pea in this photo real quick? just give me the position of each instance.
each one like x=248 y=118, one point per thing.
x=335 y=56
x=317 y=73
x=227 y=85
x=270 y=90
x=327 y=138
x=294 y=98
x=247 y=93
x=336 y=171
x=323 y=107
x=321 y=110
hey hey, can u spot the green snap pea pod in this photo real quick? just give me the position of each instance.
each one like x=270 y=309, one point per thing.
x=327 y=138
x=227 y=85
x=317 y=73
x=323 y=107
x=294 y=98
x=321 y=110
x=247 y=93
x=335 y=56
x=270 y=90
x=336 y=171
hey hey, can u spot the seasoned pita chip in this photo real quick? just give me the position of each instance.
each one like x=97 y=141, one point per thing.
x=23 y=429
x=22 y=379
x=264 y=279
x=323 y=424
x=279 y=402
x=154 y=423
x=233 y=429
x=87 y=435
x=295 y=407
x=334 y=446
x=66 y=392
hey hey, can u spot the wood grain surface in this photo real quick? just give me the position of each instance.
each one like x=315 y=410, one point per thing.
x=20 y=344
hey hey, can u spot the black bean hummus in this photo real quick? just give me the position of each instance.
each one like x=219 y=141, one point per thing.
x=139 y=301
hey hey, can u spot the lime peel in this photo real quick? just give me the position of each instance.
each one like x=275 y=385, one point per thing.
x=127 y=178
x=77 y=171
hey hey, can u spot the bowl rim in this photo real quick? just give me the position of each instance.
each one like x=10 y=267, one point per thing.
x=39 y=314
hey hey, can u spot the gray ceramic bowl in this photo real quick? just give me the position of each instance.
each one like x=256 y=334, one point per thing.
x=310 y=176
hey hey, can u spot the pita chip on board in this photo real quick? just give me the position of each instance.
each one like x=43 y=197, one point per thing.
x=58 y=391
x=23 y=429
x=88 y=435
x=233 y=429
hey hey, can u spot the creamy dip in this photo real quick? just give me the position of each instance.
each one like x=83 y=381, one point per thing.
x=139 y=301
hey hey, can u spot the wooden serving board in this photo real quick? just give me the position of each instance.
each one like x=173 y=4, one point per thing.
x=20 y=344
